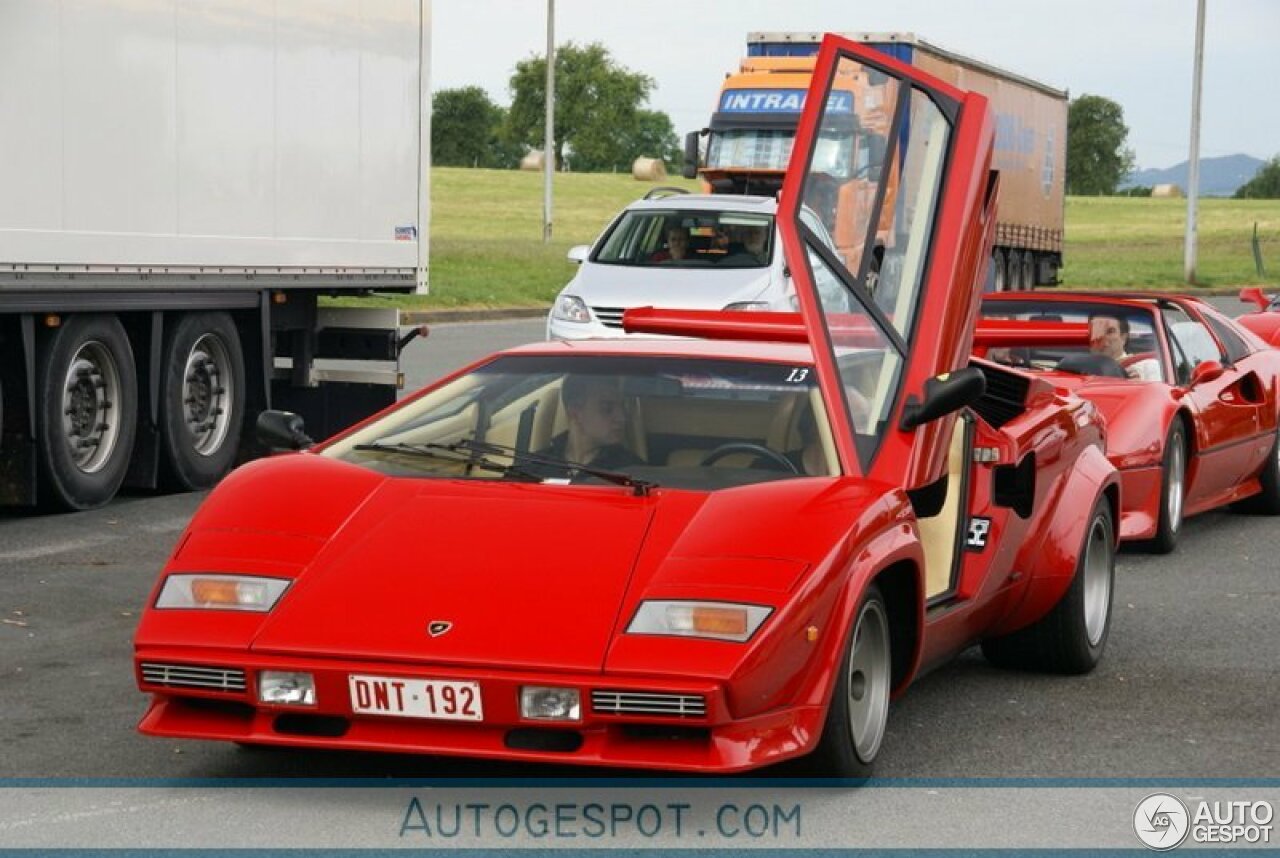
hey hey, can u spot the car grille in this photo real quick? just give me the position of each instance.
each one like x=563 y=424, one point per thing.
x=648 y=703
x=193 y=676
x=610 y=317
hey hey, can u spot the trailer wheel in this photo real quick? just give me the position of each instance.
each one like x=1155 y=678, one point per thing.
x=88 y=408
x=1028 y=277
x=997 y=267
x=201 y=400
x=1014 y=275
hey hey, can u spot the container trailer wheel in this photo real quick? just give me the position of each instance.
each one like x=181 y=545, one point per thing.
x=201 y=399
x=88 y=395
x=997 y=267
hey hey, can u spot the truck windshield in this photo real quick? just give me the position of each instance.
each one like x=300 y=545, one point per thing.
x=758 y=149
x=689 y=238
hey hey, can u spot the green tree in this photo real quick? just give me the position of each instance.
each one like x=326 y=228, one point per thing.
x=598 y=119
x=1097 y=158
x=467 y=130
x=1265 y=185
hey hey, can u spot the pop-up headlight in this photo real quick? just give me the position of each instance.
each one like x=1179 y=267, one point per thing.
x=221 y=592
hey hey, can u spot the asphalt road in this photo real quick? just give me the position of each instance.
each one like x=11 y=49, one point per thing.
x=1187 y=687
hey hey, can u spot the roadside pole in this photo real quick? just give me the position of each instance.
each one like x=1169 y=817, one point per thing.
x=1193 y=173
x=548 y=144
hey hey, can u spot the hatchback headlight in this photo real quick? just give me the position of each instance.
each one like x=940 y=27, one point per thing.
x=570 y=308
x=221 y=592
x=719 y=620
x=748 y=307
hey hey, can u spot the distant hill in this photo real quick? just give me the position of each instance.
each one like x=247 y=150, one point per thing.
x=1219 y=177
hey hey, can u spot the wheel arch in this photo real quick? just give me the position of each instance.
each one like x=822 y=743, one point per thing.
x=899 y=584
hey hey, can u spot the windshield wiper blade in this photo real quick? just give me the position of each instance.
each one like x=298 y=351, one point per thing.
x=449 y=453
x=639 y=486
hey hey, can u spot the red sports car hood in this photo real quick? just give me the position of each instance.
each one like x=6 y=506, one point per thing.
x=524 y=575
x=521 y=575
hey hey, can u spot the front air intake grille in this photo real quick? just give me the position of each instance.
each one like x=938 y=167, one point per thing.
x=649 y=703
x=610 y=317
x=193 y=676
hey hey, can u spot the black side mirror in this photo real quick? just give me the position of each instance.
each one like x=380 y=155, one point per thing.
x=690 y=167
x=282 y=430
x=943 y=395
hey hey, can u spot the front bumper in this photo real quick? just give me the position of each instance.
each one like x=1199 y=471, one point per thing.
x=714 y=742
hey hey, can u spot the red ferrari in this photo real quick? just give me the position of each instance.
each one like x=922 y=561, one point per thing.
x=1265 y=320
x=704 y=555
x=1190 y=398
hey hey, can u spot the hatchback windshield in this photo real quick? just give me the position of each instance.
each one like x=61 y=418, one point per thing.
x=689 y=423
x=671 y=238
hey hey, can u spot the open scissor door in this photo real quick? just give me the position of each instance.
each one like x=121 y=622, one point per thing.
x=895 y=165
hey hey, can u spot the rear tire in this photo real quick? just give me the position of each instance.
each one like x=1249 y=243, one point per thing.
x=201 y=400
x=88 y=404
x=859 y=710
x=1070 y=638
x=1267 y=501
x=1173 y=490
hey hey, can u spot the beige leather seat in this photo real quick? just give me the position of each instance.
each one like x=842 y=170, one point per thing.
x=938 y=533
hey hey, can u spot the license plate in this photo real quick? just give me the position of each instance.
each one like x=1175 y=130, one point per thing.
x=415 y=698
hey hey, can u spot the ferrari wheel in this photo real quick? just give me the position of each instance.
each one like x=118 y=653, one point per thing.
x=1267 y=501
x=1173 y=489
x=1070 y=638
x=859 y=710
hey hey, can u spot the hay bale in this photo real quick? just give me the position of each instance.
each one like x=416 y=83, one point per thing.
x=648 y=170
x=1167 y=191
x=532 y=161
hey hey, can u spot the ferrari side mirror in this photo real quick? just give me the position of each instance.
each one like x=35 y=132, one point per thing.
x=1206 y=370
x=282 y=430
x=943 y=395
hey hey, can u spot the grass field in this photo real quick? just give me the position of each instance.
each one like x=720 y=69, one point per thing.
x=487 y=250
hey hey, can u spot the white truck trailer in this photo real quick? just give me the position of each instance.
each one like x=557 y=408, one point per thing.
x=180 y=181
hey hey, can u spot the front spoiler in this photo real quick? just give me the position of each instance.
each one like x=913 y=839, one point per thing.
x=714 y=743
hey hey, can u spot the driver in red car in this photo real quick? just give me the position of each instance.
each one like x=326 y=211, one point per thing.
x=1109 y=336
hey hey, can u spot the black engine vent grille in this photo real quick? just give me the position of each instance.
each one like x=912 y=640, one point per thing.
x=1005 y=397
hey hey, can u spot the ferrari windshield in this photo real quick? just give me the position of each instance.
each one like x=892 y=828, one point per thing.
x=689 y=423
x=1122 y=339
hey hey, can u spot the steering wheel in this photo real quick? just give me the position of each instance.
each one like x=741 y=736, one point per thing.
x=747 y=447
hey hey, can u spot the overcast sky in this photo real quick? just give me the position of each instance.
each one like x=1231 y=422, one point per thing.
x=1137 y=52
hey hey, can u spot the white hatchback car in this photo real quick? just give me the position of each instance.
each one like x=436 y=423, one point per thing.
x=680 y=251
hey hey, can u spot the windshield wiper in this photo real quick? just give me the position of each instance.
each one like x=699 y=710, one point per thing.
x=451 y=453
x=639 y=486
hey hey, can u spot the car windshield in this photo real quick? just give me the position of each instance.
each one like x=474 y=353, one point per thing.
x=1122 y=339
x=689 y=238
x=688 y=423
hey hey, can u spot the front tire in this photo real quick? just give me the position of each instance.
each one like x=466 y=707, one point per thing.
x=88 y=395
x=1173 y=490
x=1070 y=638
x=201 y=400
x=859 y=710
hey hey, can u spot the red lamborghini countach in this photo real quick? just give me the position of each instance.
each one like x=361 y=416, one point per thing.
x=1190 y=398
x=701 y=555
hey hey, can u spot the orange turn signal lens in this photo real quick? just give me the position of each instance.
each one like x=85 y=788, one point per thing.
x=719 y=621
x=211 y=591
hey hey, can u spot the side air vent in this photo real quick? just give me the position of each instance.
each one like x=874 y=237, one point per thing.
x=1005 y=397
x=193 y=676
